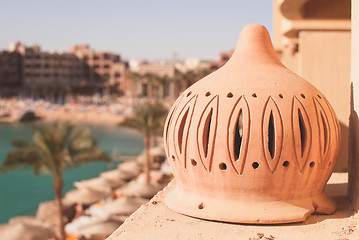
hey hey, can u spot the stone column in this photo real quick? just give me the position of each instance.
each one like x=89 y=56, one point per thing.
x=354 y=120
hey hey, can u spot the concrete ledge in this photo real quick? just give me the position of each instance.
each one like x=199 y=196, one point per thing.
x=156 y=221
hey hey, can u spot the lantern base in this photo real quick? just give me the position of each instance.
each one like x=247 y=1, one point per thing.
x=239 y=211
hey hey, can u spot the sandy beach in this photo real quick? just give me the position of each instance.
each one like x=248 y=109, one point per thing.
x=92 y=118
x=11 y=111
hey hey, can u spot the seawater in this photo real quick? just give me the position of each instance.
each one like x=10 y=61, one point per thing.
x=21 y=191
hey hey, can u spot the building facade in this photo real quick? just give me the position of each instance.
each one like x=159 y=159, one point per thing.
x=102 y=69
x=312 y=38
x=29 y=71
x=11 y=73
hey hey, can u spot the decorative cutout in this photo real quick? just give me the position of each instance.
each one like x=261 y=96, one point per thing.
x=302 y=133
x=272 y=132
x=255 y=165
x=312 y=164
x=324 y=131
x=206 y=132
x=193 y=162
x=271 y=136
x=222 y=166
x=181 y=129
x=169 y=121
x=285 y=164
x=334 y=120
x=238 y=134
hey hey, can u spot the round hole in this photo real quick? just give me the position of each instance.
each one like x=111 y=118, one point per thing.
x=303 y=96
x=201 y=206
x=207 y=94
x=280 y=95
x=319 y=96
x=173 y=158
x=311 y=164
x=255 y=165
x=222 y=166
x=229 y=95
x=254 y=95
x=189 y=94
x=286 y=164
x=194 y=163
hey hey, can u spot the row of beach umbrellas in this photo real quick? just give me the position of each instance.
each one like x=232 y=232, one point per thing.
x=110 y=199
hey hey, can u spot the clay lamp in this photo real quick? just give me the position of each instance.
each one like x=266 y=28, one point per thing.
x=252 y=142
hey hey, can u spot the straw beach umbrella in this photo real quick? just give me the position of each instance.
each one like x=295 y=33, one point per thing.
x=118 y=175
x=96 y=184
x=26 y=230
x=131 y=166
x=140 y=189
x=85 y=196
x=100 y=229
x=123 y=206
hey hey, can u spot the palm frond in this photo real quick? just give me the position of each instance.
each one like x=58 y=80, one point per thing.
x=55 y=147
x=23 y=158
x=20 y=143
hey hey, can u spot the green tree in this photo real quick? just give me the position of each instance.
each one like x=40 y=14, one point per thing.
x=55 y=147
x=149 y=119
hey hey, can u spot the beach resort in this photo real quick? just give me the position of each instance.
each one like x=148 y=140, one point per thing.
x=256 y=138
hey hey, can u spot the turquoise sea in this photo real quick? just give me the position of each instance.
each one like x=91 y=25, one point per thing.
x=21 y=191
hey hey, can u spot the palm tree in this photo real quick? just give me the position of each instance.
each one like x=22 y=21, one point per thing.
x=55 y=147
x=149 y=119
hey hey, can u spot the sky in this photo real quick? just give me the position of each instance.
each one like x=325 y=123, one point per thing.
x=135 y=29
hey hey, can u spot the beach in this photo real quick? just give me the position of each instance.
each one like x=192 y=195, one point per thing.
x=117 y=184
x=78 y=112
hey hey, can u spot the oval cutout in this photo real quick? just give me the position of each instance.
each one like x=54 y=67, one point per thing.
x=238 y=134
x=272 y=133
x=302 y=133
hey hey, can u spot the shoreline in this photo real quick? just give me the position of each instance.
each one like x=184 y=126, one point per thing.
x=88 y=118
x=14 y=110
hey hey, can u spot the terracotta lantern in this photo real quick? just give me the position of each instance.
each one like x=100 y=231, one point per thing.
x=252 y=142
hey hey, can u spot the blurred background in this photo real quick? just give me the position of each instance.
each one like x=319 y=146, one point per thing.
x=97 y=63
